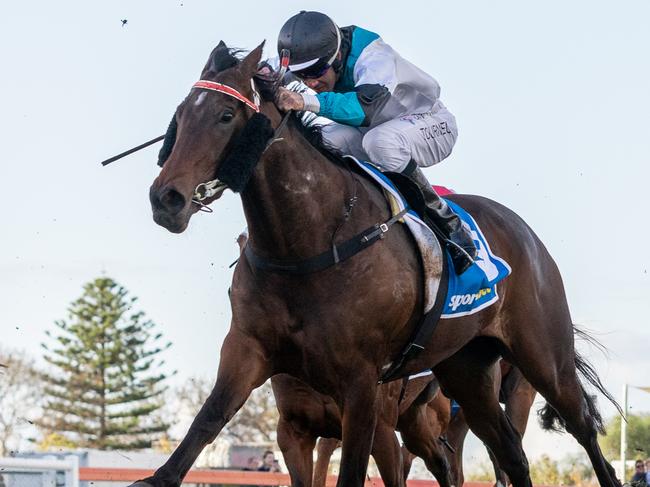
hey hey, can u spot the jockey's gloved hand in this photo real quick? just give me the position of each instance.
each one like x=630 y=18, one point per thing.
x=287 y=100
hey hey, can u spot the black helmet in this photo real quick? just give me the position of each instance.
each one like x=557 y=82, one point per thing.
x=313 y=41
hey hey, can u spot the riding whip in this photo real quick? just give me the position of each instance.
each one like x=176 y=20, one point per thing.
x=131 y=151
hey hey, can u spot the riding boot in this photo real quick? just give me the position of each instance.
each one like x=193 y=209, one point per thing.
x=456 y=233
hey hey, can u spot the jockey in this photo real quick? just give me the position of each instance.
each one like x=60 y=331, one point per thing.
x=384 y=109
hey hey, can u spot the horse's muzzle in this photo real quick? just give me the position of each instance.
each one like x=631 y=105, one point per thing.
x=169 y=208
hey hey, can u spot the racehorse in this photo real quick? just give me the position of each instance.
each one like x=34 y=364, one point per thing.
x=338 y=328
x=306 y=415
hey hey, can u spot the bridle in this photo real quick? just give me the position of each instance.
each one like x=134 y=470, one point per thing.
x=213 y=187
x=230 y=91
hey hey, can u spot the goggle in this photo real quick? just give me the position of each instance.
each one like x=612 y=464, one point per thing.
x=313 y=72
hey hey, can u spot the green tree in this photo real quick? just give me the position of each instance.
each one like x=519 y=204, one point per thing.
x=572 y=470
x=638 y=437
x=483 y=472
x=104 y=384
x=577 y=470
x=545 y=471
x=20 y=397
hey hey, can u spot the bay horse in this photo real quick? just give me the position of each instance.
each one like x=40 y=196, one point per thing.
x=338 y=328
x=306 y=415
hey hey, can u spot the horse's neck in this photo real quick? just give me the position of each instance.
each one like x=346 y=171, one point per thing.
x=295 y=199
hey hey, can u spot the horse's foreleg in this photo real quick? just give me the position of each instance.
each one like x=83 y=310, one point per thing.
x=468 y=377
x=407 y=462
x=359 y=421
x=297 y=450
x=242 y=368
x=420 y=430
x=518 y=404
x=388 y=456
x=324 y=450
x=500 y=476
x=456 y=434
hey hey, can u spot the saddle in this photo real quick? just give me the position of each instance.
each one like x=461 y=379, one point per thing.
x=446 y=295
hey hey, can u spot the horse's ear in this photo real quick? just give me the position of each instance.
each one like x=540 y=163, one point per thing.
x=214 y=55
x=248 y=66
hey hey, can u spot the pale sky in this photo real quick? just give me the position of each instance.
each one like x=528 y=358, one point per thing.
x=552 y=102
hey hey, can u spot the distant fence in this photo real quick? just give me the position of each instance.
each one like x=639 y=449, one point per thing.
x=233 y=477
x=73 y=474
x=43 y=471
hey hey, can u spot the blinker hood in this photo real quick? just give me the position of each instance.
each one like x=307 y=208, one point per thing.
x=239 y=164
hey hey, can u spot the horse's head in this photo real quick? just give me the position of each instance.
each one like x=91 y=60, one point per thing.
x=209 y=124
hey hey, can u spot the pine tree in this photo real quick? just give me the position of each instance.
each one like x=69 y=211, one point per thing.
x=102 y=391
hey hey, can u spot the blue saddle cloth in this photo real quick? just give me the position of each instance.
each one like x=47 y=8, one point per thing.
x=475 y=288
x=455 y=407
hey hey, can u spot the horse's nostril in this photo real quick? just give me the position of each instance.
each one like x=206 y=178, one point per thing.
x=172 y=201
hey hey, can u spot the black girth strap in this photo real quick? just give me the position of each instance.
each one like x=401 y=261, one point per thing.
x=424 y=330
x=338 y=253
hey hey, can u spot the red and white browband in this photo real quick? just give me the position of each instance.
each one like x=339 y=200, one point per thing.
x=228 y=90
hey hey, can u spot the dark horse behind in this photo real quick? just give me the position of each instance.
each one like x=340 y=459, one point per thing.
x=338 y=328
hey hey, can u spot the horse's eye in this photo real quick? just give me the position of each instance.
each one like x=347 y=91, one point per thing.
x=227 y=117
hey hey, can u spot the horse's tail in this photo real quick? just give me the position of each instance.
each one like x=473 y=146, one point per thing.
x=549 y=417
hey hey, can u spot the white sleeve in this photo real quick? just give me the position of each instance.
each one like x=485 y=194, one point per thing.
x=376 y=66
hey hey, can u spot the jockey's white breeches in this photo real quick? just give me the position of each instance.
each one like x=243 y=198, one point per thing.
x=427 y=138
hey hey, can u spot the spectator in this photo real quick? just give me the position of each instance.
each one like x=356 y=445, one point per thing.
x=253 y=463
x=639 y=472
x=269 y=463
x=647 y=471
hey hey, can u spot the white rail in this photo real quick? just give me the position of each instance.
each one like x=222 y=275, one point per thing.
x=70 y=466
